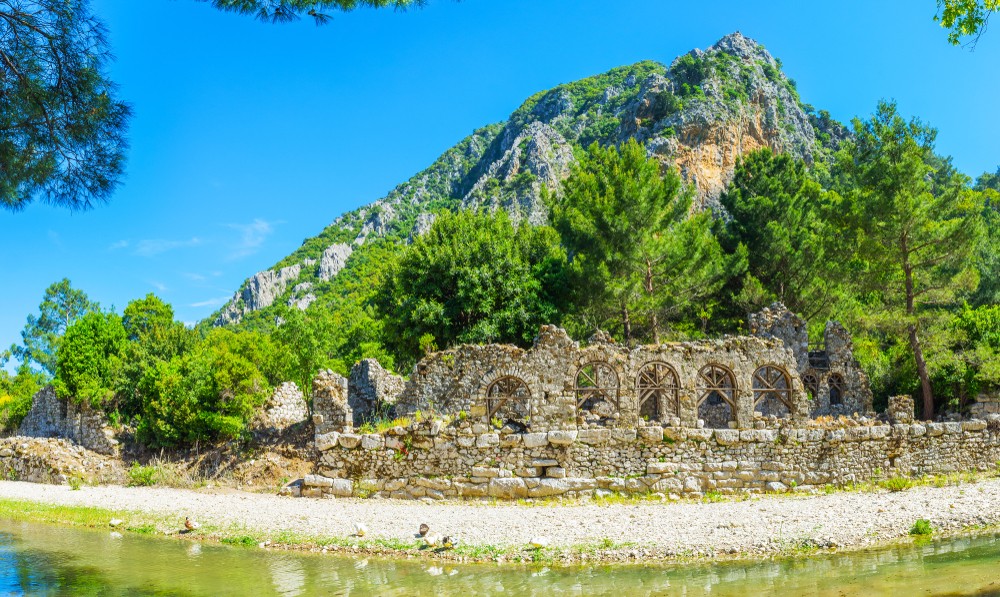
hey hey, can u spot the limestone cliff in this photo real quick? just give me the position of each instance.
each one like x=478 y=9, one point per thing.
x=699 y=114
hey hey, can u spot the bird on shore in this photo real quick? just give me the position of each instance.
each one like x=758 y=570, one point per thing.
x=449 y=541
x=360 y=529
x=432 y=540
x=539 y=542
x=424 y=529
x=191 y=525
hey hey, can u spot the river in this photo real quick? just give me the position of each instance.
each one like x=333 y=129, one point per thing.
x=49 y=560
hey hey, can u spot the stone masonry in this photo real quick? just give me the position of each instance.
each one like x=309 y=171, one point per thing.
x=51 y=416
x=372 y=391
x=285 y=407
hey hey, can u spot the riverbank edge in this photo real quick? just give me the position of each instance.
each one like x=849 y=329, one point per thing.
x=603 y=552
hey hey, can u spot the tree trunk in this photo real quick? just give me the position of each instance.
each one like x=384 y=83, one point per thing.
x=626 y=326
x=649 y=291
x=925 y=380
x=918 y=353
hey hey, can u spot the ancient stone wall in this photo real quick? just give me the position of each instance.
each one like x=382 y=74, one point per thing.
x=463 y=459
x=285 y=407
x=330 y=409
x=557 y=384
x=46 y=460
x=372 y=391
x=52 y=417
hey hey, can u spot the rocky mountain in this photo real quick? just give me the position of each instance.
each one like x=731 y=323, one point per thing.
x=700 y=114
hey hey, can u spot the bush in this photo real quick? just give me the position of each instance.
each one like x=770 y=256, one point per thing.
x=89 y=359
x=897 y=484
x=16 y=394
x=922 y=527
x=141 y=476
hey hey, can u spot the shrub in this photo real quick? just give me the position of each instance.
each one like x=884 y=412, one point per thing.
x=922 y=527
x=141 y=476
x=89 y=359
x=897 y=484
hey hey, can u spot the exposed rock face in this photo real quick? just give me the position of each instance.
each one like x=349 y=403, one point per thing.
x=330 y=409
x=259 y=292
x=699 y=115
x=333 y=260
x=286 y=407
x=540 y=156
x=372 y=391
x=52 y=417
x=301 y=298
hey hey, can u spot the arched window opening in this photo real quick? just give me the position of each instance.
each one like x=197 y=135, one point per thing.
x=837 y=387
x=716 y=396
x=597 y=392
x=508 y=402
x=772 y=391
x=657 y=387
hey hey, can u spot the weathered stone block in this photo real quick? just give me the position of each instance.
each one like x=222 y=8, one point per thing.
x=349 y=440
x=485 y=473
x=593 y=436
x=488 y=440
x=511 y=488
x=372 y=441
x=651 y=433
x=660 y=468
x=555 y=472
x=342 y=488
x=727 y=437
x=535 y=440
x=561 y=438
x=326 y=441
x=317 y=481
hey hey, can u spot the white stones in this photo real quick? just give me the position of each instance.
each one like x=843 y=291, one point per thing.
x=543 y=462
x=775 y=487
x=485 y=473
x=509 y=488
x=317 y=481
x=660 y=468
x=349 y=440
x=479 y=429
x=952 y=428
x=561 y=438
x=488 y=440
x=727 y=437
x=935 y=429
x=465 y=441
x=372 y=441
x=327 y=440
x=651 y=433
x=342 y=487
x=973 y=425
x=535 y=440
x=593 y=436
x=555 y=472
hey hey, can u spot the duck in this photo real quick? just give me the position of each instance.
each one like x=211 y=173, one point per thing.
x=360 y=529
x=449 y=541
x=191 y=525
x=539 y=542
x=424 y=529
x=115 y=522
x=432 y=539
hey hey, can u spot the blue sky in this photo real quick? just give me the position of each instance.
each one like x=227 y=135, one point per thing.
x=249 y=138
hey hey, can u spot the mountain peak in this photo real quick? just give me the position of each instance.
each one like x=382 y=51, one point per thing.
x=737 y=44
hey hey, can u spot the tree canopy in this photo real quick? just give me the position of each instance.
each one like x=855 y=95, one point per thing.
x=60 y=307
x=965 y=19
x=62 y=128
x=283 y=11
x=638 y=257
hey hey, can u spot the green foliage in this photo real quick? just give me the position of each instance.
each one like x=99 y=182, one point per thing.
x=211 y=392
x=915 y=222
x=635 y=252
x=89 y=365
x=896 y=484
x=141 y=476
x=63 y=128
x=283 y=11
x=60 y=307
x=16 y=392
x=922 y=527
x=965 y=18
x=472 y=278
x=781 y=216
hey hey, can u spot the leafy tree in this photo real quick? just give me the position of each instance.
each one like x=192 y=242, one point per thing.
x=473 y=277
x=965 y=18
x=778 y=213
x=917 y=226
x=636 y=254
x=283 y=11
x=16 y=393
x=62 y=130
x=90 y=357
x=211 y=392
x=153 y=337
x=60 y=307
x=989 y=251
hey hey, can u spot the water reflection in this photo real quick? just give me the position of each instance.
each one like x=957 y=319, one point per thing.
x=46 y=560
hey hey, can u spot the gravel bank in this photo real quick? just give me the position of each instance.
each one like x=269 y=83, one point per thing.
x=759 y=526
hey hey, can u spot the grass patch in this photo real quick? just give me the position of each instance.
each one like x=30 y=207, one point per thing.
x=241 y=541
x=141 y=476
x=897 y=484
x=921 y=528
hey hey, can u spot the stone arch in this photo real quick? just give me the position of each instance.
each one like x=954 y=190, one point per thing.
x=508 y=401
x=658 y=390
x=772 y=391
x=716 y=395
x=597 y=392
x=837 y=388
x=810 y=381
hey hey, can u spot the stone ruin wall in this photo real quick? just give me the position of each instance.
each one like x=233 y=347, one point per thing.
x=437 y=460
x=285 y=407
x=52 y=417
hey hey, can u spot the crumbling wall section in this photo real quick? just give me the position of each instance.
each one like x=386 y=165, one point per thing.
x=51 y=416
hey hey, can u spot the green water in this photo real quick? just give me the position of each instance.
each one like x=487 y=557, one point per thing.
x=48 y=560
